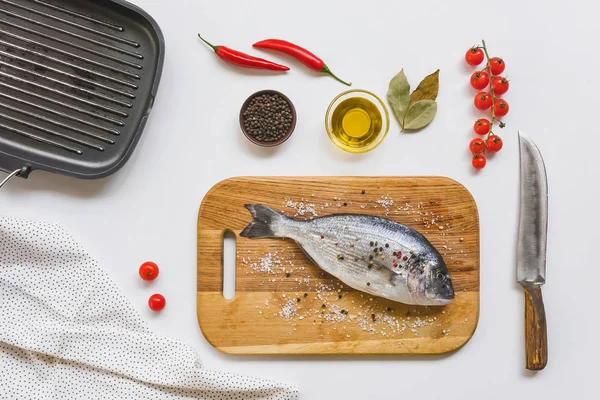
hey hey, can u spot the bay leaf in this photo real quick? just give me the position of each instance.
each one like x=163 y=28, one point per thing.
x=420 y=114
x=399 y=95
x=427 y=89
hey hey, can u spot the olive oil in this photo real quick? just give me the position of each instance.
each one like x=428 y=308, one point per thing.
x=356 y=123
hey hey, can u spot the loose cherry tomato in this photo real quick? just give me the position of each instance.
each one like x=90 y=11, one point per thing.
x=482 y=126
x=476 y=146
x=483 y=101
x=500 y=85
x=149 y=271
x=479 y=161
x=497 y=65
x=480 y=80
x=474 y=56
x=494 y=143
x=157 y=302
x=500 y=107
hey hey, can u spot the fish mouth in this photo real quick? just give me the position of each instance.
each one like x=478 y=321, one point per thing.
x=435 y=301
x=440 y=299
x=443 y=301
x=445 y=297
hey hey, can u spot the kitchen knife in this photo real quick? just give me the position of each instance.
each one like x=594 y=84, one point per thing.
x=531 y=250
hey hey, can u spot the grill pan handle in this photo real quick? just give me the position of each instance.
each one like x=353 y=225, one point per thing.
x=24 y=172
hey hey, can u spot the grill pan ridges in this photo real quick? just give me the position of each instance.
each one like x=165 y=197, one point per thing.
x=77 y=83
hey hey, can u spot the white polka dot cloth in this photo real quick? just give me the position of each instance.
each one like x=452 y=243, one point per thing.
x=66 y=332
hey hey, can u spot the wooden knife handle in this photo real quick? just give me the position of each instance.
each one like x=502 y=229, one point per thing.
x=536 y=337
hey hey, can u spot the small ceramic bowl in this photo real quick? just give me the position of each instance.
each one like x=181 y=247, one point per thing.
x=285 y=136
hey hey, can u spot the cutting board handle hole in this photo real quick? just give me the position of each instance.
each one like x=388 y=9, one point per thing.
x=229 y=257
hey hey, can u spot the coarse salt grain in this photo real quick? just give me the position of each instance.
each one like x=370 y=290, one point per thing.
x=386 y=202
x=288 y=311
x=301 y=208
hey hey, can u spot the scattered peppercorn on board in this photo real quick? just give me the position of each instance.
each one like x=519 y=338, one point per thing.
x=284 y=304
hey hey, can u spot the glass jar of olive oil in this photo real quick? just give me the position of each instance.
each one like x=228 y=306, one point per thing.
x=357 y=121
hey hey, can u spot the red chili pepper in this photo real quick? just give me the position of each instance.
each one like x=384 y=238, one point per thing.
x=244 y=60
x=304 y=56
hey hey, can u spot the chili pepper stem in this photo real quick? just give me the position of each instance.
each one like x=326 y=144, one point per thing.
x=208 y=43
x=328 y=71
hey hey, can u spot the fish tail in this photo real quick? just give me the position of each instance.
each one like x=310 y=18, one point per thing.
x=266 y=222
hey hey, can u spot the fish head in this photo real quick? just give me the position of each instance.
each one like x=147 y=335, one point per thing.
x=437 y=285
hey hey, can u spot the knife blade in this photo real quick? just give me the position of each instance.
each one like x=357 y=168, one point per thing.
x=531 y=250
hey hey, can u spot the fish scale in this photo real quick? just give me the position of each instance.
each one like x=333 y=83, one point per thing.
x=378 y=280
x=421 y=279
x=363 y=247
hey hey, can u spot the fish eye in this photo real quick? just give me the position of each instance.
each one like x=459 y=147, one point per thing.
x=439 y=276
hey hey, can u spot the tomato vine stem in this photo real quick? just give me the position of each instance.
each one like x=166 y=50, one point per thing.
x=489 y=68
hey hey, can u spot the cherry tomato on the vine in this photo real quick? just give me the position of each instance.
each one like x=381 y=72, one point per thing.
x=474 y=56
x=479 y=161
x=483 y=101
x=491 y=86
x=497 y=65
x=480 y=80
x=500 y=107
x=482 y=126
x=494 y=143
x=476 y=146
x=157 y=302
x=149 y=271
x=500 y=85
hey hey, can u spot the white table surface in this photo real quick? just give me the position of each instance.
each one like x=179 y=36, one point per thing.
x=148 y=210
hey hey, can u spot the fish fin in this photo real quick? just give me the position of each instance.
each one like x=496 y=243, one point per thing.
x=308 y=255
x=393 y=277
x=264 y=224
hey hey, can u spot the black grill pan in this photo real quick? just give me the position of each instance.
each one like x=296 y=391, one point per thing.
x=77 y=82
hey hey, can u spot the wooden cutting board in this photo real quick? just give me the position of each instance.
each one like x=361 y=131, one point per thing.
x=284 y=304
